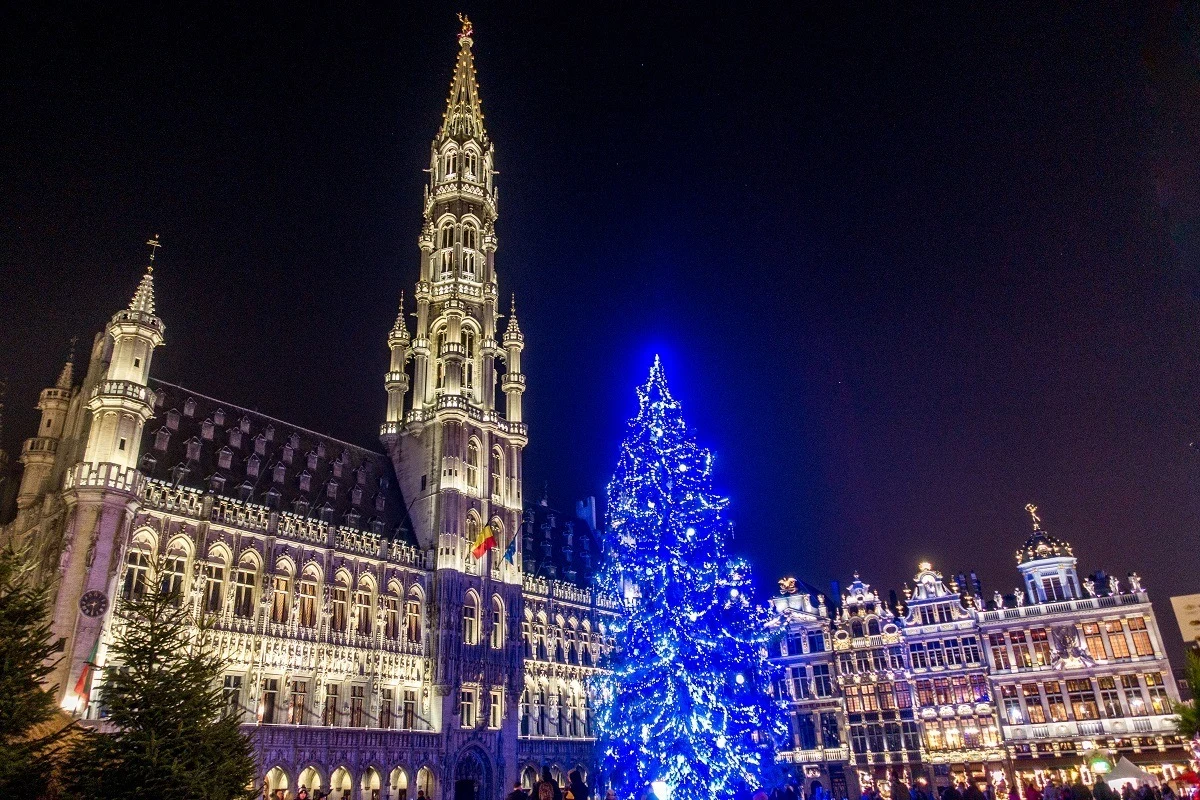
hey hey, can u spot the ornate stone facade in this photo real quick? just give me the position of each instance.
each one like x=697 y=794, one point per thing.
x=948 y=686
x=370 y=651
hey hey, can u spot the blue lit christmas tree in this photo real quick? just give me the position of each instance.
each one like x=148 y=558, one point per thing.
x=684 y=706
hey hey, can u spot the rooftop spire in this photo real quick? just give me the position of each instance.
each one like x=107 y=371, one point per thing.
x=143 y=298
x=400 y=329
x=464 y=115
x=67 y=376
x=1037 y=521
x=513 y=330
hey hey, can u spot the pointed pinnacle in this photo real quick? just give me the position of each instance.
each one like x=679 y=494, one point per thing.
x=67 y=376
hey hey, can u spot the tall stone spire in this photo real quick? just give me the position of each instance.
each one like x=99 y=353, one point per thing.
x=464 y=114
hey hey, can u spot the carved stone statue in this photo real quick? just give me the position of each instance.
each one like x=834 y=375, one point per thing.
x=64 y=560
x=1019 y=596
x=1114 y=585
x=998 y=599
x=1065 y=640
x=1089 y=587
x=1135 y=582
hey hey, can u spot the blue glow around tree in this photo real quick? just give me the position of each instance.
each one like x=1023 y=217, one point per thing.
x=685 y=701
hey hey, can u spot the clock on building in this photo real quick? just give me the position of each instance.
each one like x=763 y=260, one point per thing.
x=94 y=603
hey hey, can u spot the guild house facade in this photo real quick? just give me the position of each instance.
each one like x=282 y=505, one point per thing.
x=1061 y=677
x=396 y=619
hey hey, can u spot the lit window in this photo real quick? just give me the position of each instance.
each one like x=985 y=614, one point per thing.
x=137 y=564
x=497 y=624
x=472 y=464
x=467 y=704
x=471 y=620
x=496 y=708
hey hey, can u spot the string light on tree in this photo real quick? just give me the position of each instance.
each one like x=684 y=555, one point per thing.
x=684 y=711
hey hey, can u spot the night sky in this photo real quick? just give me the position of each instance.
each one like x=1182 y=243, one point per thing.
x=909 y=269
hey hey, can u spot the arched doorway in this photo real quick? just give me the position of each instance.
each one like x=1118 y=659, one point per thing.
x=472 y=776
x=310 y=778
x=398 y=785
x=276 y=780
x=427 y=782
x=529 y=777
x=341 y=785
x=371 y=785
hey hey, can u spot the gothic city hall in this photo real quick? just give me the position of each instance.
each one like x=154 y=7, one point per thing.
x=378 y=647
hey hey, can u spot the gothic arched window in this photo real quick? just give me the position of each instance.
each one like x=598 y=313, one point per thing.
x=496 y=471
x=473 y=464
x=341 y=599
x=308 y=598
x=470 y=238
x=137 y=565
x=497 y=623
x=412 y=617
x=468 y=342
x=471 y=619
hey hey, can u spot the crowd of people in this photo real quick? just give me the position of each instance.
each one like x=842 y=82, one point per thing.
x=1054 y=789
x=546 y=788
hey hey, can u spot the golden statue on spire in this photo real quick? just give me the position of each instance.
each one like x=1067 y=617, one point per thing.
x=1037 y=521
x=467 y=30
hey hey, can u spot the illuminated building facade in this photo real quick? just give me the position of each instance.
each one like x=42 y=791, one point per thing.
x=818 y=747
x=370 y=650
x=951 y=692
x=874 y=675
x=949 y=687
x=1078 y=666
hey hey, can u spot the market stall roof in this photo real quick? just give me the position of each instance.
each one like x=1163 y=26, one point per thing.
x=1127 y=772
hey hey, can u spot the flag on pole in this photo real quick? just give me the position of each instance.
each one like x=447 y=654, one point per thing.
x=83 y=686
x=485 y=541
x=510 y=553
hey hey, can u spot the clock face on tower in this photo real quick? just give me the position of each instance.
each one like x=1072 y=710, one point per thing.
x=94 y=603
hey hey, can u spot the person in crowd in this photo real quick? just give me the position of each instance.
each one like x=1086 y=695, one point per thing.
x=1080 y=790
x=611 y=794
x=546 y=788
x=951 y=792
x=1052 y=790
x=1102 y=791
x=302 y=794
x=576 y=788
x=518 y=792
x=973 y=792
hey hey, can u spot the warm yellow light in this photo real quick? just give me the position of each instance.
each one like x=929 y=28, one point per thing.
x=925 y=566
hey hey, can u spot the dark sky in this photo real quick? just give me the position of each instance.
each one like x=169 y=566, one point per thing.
x=910 y=268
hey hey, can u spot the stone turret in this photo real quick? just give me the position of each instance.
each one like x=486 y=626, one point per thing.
x=102 y=489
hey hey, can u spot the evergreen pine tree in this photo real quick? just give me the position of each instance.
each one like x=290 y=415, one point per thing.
x=1189 y=713
x=173 y=734
x=685 y=701
x=29 y=731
